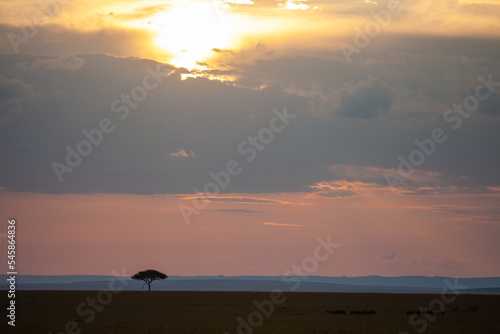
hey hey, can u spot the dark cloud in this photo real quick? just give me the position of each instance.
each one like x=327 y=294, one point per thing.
x=358 y=116
x=139 y=13
x=390 y=256
x=491 y=106
x=365 y=100
x=15 y=93
x=200 y=115
x=66 y=63
x=57 y=41
x=222 y=51
x=336 y=193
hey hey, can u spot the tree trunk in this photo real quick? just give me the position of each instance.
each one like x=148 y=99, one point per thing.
x=149 y=286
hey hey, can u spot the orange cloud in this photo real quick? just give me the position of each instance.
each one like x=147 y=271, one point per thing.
x=182 y=154
x=282 y=224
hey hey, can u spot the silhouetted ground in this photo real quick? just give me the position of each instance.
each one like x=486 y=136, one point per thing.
x=217 y=312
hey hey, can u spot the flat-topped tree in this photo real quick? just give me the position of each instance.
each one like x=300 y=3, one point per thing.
x=148 y=276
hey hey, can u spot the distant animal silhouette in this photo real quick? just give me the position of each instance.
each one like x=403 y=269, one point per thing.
x=364 y=312
x=343 y=312
x=432 y=311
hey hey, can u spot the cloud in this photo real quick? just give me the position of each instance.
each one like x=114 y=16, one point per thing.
x=353 y=120
x=295 y=4
x=358 y=173
x=390 y=256
x=137 y=13
x=182 y=154
x=364 y=99
x=354 y=180
x=376 y=175
x=209 y=117
x=281 y=224
x=238 y=211
x=67 y=63
x=491 y=106
x=228 y=3
x=222 y=50
x=333 y=189
x=485 y=213
x=151 y=151
x=449 y=264
x=15 y=93
x=445 y=264
x=238 y=199
x=248 y=268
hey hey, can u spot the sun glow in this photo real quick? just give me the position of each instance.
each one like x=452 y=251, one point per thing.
x=189 y=32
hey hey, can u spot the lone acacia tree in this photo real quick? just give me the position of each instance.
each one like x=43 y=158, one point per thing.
x=148 y=276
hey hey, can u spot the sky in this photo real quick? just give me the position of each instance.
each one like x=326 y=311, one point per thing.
x=225 y=137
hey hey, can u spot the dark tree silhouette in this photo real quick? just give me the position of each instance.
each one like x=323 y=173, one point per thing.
x=148 y=276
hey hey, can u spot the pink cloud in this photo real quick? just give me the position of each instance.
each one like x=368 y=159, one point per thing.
x=282 y=224
x=182 y=154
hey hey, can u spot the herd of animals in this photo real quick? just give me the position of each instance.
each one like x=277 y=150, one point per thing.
x=432 y=311
x=343 y=312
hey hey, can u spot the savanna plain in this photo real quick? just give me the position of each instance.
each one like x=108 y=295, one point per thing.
x=217 y=312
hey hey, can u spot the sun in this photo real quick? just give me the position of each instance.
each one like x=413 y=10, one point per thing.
x=189 y=32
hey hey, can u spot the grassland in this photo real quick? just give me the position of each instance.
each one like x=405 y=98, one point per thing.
x=217 y=312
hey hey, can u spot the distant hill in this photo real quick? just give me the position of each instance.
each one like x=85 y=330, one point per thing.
x=403 y=284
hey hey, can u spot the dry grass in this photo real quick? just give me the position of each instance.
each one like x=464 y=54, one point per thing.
x=216 y=312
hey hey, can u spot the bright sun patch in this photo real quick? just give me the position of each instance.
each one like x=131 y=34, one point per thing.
x=189 y=32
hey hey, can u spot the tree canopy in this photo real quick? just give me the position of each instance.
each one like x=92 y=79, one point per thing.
x=148 y=276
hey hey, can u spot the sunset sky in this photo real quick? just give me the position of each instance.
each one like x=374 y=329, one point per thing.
x=374 y=122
